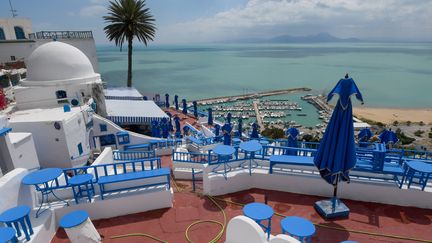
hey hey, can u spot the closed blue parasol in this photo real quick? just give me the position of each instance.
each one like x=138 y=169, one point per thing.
x=217 y=131
x=227 y=129
x=336 y=155
x=240 y=128
x=254 y=133
x=195 y=108
x=292 y=134
x=177 y=126
x=228 y=118
x=171 y=128
x=176 y=102
x=210 y=116
x=167 y=104
x=164 y=127
x=155 y=129
x=388 y=136
x=184 y=106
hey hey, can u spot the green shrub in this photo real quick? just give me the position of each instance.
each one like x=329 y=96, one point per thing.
x=273 y=133
x=418 y=133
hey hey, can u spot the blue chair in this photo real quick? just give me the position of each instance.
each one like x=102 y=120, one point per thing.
x=298 y=227
x=7 y=234
x=18 y=215
x=82 y=185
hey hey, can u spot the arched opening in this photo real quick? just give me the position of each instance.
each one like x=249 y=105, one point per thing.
x=19 y=33
x=2 y=34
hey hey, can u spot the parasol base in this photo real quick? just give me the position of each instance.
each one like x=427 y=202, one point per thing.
x=332 y=208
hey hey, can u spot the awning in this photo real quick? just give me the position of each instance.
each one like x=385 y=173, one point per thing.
x=122 y=93
x=133 y=112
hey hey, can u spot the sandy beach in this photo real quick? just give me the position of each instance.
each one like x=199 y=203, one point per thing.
x=388 y=115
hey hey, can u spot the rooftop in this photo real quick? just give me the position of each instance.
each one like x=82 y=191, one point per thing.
x=42 y=115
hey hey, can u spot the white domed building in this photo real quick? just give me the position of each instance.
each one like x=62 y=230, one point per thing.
x=58 y=74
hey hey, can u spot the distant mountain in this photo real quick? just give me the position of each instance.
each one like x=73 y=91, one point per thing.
x=321 y=37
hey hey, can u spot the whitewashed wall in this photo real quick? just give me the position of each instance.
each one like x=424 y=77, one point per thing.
x=23 y=151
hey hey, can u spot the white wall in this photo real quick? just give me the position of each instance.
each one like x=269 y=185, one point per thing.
x=8 y=27
x=23 y=151
x=76 y=132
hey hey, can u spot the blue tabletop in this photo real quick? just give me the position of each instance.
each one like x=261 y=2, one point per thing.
x=251 y=146
x=258 y=211
x=236 y=140
x=264 y=142
x=223 y=150
x=14 y=214
x=73 y=219
x=42 y=176
x=298 y=226
x=420 y=166
x=80 y=179
x=6 y=234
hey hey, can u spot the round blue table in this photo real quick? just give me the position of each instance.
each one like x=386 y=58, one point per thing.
x=251 y=147
x=73 y=219
x=18 y=215
x=420 y=167
x=83 y=184
x=7 y=234
x=44 y=177
x=298 y=227
x=259 y=212
x=224 y=153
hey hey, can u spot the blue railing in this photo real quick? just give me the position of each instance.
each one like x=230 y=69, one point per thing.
x=113 y=169
x=61 y=35
x=133 y=155
x=199 y=158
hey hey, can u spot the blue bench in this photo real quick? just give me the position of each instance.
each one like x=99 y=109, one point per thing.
x=290 y=160
x=130 y=176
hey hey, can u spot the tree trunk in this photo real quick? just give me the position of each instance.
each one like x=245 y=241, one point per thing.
x=129 y=77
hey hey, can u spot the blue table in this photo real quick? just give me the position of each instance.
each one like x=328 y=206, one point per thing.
x=18 y=215
x=251 y=147
x=414 y=167
x=84 y=184
x=41 y=180
x=7 y=234
x=73 y=219
x=236 y=141
x=259 y=212
x=224 y=153
x=298 y=227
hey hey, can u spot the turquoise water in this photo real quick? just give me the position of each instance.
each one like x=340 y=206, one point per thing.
x=388 y=74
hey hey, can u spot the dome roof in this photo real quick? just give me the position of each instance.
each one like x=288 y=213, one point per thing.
x=58 y=61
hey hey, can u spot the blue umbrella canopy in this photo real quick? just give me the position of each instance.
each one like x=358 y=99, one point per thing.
x=227 y=129
x=164 y=127
x=254 y=133
x=365 y=134
x=228 y=118
x=176 y=102
x=184 y=106
x=388 y=136
x=336 y=155
x=195 y=108
x=145 y=98
x=171 y=128
x=167 y=104
x=292 y=134
x=240 y=127
x=210 y=116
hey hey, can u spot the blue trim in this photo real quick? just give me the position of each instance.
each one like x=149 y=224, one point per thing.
x=5 y=130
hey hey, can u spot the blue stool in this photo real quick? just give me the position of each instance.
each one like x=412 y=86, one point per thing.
x=298 y=227
x=73 y=219
x=7 y=234
x=82 y=185
x=19 y=214
x=259 y=212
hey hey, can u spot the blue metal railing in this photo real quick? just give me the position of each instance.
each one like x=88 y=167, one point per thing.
x=133 y=155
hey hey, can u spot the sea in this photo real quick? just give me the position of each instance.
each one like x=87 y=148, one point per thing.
x=387 y=74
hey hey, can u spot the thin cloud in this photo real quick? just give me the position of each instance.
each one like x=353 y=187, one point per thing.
x=92 y=11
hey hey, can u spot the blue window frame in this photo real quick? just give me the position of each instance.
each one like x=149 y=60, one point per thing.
x=19 y=33
x=109 y=139
x=103 y=127
x=123 y=137
x=2 y=34
x=80 y=149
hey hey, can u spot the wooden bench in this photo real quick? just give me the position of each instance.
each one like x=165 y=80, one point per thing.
x=290 y=160
x=130 y=176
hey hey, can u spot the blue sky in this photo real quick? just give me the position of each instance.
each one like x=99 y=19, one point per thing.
x=201 y=21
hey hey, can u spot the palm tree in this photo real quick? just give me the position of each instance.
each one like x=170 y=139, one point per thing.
x=129 y=19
